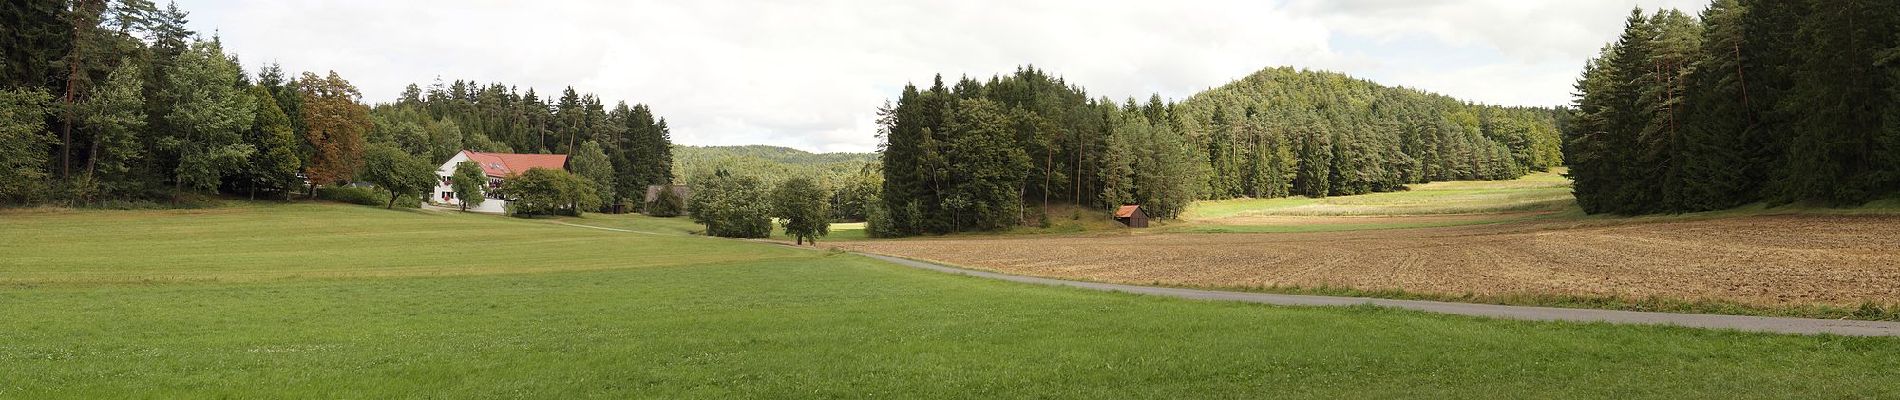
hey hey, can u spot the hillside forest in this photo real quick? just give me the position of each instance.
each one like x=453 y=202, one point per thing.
x=1774 y=101
x=991 y=154
x=117 y=103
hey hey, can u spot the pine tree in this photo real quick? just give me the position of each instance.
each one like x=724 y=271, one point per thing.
x=1718 y=117
x=1837 y=102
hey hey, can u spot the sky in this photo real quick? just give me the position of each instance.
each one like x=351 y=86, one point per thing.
x=811 y=74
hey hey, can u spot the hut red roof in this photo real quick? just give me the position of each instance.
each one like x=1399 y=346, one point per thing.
x=502 y=165
x=1127 y=211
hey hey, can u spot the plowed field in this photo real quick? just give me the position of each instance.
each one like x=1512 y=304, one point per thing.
x=1770 y=261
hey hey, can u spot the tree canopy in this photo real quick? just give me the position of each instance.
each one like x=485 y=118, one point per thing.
x=1757 y=100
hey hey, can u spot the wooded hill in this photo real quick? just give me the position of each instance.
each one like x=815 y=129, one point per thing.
x=974 y=155
x=1758 y=100
x=1347 y=136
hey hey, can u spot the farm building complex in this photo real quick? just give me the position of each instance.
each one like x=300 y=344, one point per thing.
x=499 y=167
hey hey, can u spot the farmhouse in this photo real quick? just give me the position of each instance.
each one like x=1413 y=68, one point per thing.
x=1132 y=216
x=498 y=167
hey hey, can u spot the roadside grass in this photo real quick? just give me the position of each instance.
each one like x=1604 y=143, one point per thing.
x=326 y=300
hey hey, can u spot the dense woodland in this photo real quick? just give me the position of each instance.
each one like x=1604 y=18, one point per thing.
x=1757 y=100
x=850 y=180
x=118 y=103
x=977 y=155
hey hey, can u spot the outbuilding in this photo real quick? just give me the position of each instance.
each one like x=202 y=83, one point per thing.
x=1132 y=216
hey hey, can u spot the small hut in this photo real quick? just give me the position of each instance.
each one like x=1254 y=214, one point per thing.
x=1132 y=216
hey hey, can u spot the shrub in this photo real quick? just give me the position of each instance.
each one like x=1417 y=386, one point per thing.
x=366 y=196
x=666 y=204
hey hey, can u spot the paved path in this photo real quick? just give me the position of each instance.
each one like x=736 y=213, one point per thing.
x=1804 y=326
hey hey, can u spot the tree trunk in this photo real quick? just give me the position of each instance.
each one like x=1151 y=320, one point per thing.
x=392 y=200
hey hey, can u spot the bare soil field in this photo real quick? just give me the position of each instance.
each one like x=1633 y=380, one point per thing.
x=1766 y=260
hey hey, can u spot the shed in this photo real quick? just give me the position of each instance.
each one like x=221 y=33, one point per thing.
x=1132 y=216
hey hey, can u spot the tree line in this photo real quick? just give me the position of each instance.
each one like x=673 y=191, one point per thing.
x=622 y=150
x=850 y=180
x=983 y=155
x=116 y=101
x=1755 y=101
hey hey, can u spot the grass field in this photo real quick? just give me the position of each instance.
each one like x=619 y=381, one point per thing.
x=334 y=301
x=1537 y=192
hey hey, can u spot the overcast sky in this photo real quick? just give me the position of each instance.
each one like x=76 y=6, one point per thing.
x=811 y=74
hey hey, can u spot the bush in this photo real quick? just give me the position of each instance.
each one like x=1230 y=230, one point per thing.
x=366 y=196
x=666 y=204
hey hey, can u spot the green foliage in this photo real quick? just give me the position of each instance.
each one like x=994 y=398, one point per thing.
x=23 y=145
x=542 y=191
x=1759 y=100
x=666 y=204
x=853 y=198
x=114 y=115
x=592 y=163
x=469 y=182
x=802 y=206
x=1283 y=131
x=275 y=164
x=207 y=120
x=731 y=205
x=365 y=196
x=396 y=171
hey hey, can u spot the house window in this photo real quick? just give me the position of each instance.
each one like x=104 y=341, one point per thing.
x=448 y=195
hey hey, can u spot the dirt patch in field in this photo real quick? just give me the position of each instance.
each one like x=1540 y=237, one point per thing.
x=1773 y=261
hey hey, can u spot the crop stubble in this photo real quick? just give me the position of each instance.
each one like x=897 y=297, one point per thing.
x=1773 y=260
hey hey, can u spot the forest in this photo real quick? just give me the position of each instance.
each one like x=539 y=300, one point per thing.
x=1775 y=101
x=985 y=155
x=118 y=103
x=850 y=181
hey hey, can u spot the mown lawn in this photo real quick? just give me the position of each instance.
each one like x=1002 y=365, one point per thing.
x=336 y=301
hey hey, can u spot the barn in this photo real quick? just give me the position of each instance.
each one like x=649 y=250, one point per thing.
x=1132 y=216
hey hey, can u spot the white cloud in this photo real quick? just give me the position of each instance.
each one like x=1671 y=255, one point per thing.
x=809 y=74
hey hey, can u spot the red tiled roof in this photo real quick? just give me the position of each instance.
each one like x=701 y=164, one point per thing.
x=502 y=165
x=1127 y=211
